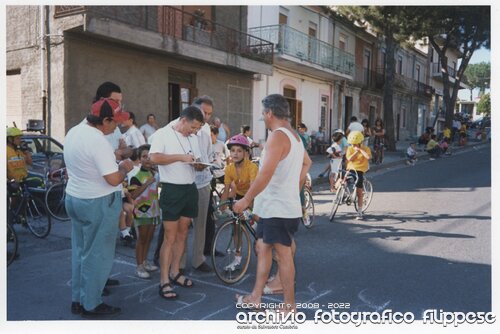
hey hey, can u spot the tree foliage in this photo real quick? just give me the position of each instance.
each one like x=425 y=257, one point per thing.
x=463 y=28
x=484 y=105
x=478 y=76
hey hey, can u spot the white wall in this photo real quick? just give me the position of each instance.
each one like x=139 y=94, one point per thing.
x=309 y=91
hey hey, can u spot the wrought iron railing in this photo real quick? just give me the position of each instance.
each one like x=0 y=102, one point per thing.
x=182 y=25
x=366 y=78
x=294 y=43
x=407 y=84
x=436 y=70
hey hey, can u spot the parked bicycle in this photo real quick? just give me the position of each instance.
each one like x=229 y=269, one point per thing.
x=56 y=195
x=346 y=193
x=27 y=209
x=12 y=244
x=308 y=217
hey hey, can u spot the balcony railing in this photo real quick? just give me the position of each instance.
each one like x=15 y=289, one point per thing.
x=366 y=78
x=294 y=43
x=185 y=26
x=409 y=85
x=436 y=70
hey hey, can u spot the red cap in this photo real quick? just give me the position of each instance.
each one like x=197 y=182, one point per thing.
x=107 y=107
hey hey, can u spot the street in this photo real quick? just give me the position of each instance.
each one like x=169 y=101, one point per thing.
x=425 y=244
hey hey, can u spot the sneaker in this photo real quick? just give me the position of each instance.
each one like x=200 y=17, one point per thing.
x=360 y=216
x=431 y=159
x=306 y=219
x=149 y=266
x=408 y=162
x=141 y=272
x=233 y=265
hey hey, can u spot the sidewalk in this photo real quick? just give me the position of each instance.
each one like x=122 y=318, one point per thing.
x=320 y=162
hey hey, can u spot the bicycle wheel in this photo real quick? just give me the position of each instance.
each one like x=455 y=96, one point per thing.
x=309 y=207
x=11 y=244
x=336 y=202
x=230 y=239
x=367 y=195
x=37 y=218
x=54 y=201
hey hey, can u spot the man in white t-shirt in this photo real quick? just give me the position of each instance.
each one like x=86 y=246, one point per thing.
x=354 y=126
x=149 y=127
x=93 y=202
x=132 y=136
x=174 y=149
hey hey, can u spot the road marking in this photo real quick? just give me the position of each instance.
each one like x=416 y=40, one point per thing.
x=362 y=296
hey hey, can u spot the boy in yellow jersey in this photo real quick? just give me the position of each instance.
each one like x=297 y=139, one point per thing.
x=238 y=177
x=358 y=157
x=241 y=172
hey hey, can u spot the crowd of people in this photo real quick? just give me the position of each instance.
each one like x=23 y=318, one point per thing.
x=123 y=178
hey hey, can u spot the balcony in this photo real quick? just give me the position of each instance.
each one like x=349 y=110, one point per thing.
x=368 y=79
x=175 y=25
x=436 y=70
x=303 y=47
x=401 y=82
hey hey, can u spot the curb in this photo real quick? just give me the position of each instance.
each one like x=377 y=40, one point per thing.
x=318 y=181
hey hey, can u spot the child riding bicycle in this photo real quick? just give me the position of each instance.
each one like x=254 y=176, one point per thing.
x=358 y=157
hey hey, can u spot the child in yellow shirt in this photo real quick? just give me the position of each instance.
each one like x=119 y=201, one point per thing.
x=358 y=157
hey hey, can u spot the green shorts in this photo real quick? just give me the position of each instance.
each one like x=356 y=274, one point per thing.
x=178 y=200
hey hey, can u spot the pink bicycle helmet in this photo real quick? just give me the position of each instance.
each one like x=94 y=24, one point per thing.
x=240 y=140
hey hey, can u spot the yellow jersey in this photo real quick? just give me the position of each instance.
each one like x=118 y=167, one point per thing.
x=359 y=162
x=243 y=178
x=16 y=165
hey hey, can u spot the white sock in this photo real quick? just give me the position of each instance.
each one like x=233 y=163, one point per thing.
x=125 y=231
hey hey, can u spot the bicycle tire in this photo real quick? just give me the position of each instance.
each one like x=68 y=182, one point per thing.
x=54 y=201
x=336 y=202
x=226 y=242
x=37 y=218
x=309 y=207
x=367 y=195
x=12 y=244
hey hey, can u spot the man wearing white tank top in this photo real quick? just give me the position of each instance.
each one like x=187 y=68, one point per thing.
x=284 y=165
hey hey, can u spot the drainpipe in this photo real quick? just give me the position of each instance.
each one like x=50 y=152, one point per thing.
x=43 y=90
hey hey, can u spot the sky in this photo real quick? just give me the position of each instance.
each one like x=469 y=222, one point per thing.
x=479 y=56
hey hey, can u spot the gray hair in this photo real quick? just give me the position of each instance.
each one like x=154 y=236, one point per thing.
x=278 y=105
x=203 y=99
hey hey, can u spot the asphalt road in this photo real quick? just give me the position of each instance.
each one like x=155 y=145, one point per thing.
x=425 y=244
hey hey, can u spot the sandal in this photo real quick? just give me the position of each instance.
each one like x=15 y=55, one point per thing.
x=269 y=291
x=167 y=294
x=244 y=305
x=186 y=284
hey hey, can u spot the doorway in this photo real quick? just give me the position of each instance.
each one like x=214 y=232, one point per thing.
x=347 y=111
x=181 y=92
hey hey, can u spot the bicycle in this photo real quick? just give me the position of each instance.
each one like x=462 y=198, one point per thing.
x=56 y=195
x=308 y=205
x=233 y=237
x=12 y=244
x=30 y=210
x=346 y=194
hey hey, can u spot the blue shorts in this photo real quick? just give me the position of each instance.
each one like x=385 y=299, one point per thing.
x=277 y=230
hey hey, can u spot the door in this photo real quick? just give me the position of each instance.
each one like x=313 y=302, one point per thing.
x=347 y=111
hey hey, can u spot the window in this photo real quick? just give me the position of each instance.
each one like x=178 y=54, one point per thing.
x=342 y=42
x=289 y=92
x=417 y=73
x=403 y=111
x=400 y=65
x=283 y=19
x=367 y=59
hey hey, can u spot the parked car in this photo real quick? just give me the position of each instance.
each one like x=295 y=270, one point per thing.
x=47 y=153
x=481 y=123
